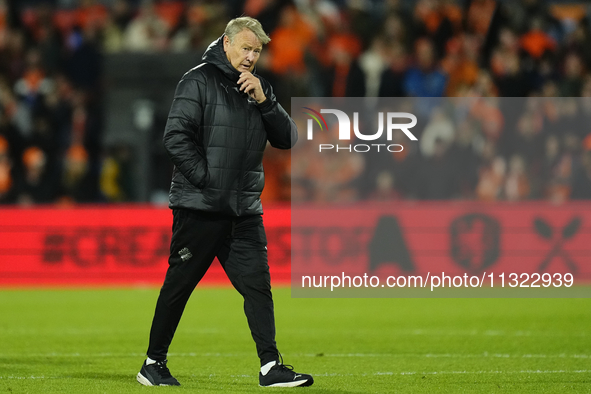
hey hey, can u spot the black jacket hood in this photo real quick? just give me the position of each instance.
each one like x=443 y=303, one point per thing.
x=214 y=54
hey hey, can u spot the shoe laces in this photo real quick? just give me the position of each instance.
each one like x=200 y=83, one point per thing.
x=162 y=369
x=284 y=366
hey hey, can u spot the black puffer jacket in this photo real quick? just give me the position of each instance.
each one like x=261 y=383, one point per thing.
x=215 y=136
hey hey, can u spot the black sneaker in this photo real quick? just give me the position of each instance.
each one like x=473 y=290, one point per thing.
x=156 y=374
x=281 y=375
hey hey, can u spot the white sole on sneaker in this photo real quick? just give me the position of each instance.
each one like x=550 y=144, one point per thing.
x=143 y=380
x=295 y=383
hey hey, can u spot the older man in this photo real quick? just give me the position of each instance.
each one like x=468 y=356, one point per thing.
x=220 y=121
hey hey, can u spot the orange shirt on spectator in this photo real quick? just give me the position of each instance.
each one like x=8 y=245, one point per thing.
x=65 y=20
x=480 y=15
x=170 y=12
x=461 y=70
x=5 y=166
x=433 y=16
x=536 y=42
x=288 y=44
x=93 y=15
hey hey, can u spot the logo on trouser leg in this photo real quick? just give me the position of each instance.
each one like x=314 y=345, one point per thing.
x=185 y=254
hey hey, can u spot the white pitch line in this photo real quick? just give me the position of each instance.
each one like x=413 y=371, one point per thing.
x=482 y=372
x=417 y=332
x=337 y=355
x=537 y=371
x=449 y=355
x=455 y=372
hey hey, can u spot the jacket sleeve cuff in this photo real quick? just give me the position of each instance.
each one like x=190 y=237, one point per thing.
x=266 y=105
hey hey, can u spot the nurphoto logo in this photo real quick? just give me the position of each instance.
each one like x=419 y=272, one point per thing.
x=344 y=123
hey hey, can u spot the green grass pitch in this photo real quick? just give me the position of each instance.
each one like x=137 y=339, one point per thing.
x=93 y=341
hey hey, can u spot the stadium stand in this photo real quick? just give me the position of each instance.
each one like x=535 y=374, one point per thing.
x=57 y=57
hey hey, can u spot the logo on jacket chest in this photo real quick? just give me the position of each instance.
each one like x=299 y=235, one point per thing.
x=227 y=88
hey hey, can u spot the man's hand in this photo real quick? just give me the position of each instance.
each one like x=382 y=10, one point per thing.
x=252 y=85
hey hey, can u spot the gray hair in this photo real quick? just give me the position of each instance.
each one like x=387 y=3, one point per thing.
x=236 y=25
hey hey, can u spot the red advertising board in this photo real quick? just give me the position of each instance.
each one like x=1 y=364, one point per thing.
x=129 y=245
x=398 y=238
x=108 y=246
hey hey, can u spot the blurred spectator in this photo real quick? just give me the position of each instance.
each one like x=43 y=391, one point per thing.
x=147 y=32
x=115 y=24
x=517 y=186
x=491 y=180
x=556 y=172
x=480 y=15
x=528 y=139
x=17 y=113
x=6 y=182
x=392 y=78
x=461 y=64
x=265 y=11
x=344 y=76
x=372 y=64
x=8 y=127
x=3 y=22
x=12 y=59
x=385 y=187
x=439 y=130
x=484 y=86
x=43 y=136
x=76 y=183
x=438 y=20
x=287 y=50
x=489 y=117
x=83 y=60
x=289 y=42
x=122 y=13
x=169 y=11
x=201 y=24
x=424 y=79
x=36 y=185
x=43 y=32
x=91 y=14
x=116 y=178
x=536 y=42
x=33 y=84
x=506 y=66
x=573 y=76
x=579 y=40
x=396 y=30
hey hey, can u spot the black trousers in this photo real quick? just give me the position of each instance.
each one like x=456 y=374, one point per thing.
x=240 y=244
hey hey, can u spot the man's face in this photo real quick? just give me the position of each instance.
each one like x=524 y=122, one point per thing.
x=243 y=53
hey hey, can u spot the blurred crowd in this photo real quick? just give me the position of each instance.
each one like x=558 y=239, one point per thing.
x=51 y=95
x=468 y=148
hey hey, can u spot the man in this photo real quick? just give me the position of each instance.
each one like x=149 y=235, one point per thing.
x=220 y=121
